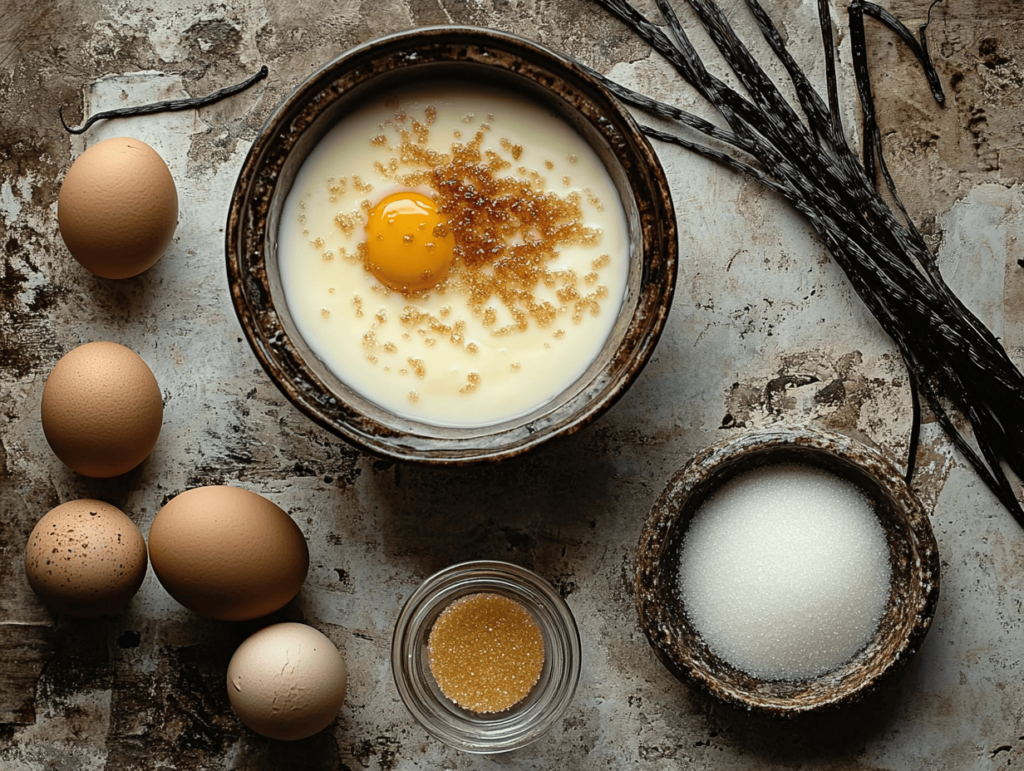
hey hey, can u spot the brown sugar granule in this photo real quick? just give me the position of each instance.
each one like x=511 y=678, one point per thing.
x=472 y=382
x=418 y=367
x=348 y=221
x=336 y=186
x=486 y=652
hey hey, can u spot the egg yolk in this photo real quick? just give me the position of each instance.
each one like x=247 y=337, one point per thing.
x=409 y=245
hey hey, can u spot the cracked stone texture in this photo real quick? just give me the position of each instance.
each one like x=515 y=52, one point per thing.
x=764 y=329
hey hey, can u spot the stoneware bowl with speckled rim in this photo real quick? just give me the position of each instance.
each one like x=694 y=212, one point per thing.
x=447 y=53
x=914 y=559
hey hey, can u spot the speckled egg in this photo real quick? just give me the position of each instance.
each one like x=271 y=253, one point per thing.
x=287 y=681
x=102 y=409
x=85 y=558
x=228 y=553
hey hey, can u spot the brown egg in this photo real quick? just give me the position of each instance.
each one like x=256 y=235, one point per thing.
x=85 y=558
x=101 y=409
x=228 y=553
x=287 y=681
x=117 y=208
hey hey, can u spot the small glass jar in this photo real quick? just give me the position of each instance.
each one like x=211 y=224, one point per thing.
x=524 y=722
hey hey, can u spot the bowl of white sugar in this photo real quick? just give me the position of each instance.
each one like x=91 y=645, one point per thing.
x=786 y=571
x=451 y=245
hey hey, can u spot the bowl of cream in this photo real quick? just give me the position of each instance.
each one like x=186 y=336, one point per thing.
x=451 y=245
x=787 y=571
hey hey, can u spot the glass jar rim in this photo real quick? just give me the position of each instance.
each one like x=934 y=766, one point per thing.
x=525 y=722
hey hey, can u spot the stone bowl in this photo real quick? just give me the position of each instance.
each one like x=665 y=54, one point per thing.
x=473 y=54
x=913 y=555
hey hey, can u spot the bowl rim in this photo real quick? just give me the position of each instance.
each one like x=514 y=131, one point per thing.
x=249 y=282
x=701 y=474
x=514 y=728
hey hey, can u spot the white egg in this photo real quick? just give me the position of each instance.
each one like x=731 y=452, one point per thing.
x=455 y=354
x=287 y=681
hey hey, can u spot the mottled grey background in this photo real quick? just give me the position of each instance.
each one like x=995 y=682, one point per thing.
x=764 y=329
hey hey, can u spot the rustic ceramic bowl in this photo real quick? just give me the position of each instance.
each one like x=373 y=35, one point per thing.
x=525 y=722
x=474 y=55
x=913 y=554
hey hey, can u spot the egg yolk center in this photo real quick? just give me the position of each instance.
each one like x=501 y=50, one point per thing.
x=409 y=244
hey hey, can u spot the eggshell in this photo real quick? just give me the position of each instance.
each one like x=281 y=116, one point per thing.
x=117 y=208
x=228 y=553
x=101 y=409
x=287 y=681
x=85 y=558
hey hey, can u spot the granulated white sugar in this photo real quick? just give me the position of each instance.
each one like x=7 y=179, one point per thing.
x=785 y=571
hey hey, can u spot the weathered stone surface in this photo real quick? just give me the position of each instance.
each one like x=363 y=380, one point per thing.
x=764 y=328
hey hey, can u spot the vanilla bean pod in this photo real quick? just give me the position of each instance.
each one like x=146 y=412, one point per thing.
x=818 y=118
x=172 y=105
x=872 y=139
x=664 y=110
x=810 y=101
x=723 y=158
x=872 y=134
x=761 y=128
x=661 y=109
x=919 y=50
x=758 y=85
x=923 y=27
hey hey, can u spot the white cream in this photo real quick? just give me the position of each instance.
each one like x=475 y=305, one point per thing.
x=353 y=324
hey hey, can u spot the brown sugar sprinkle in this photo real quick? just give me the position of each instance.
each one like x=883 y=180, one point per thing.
x=418 y=367
x=486 y=652
x=473 y=381
x=384 y=170
x=508 y=229
x=348 y=221
x=516 y=151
